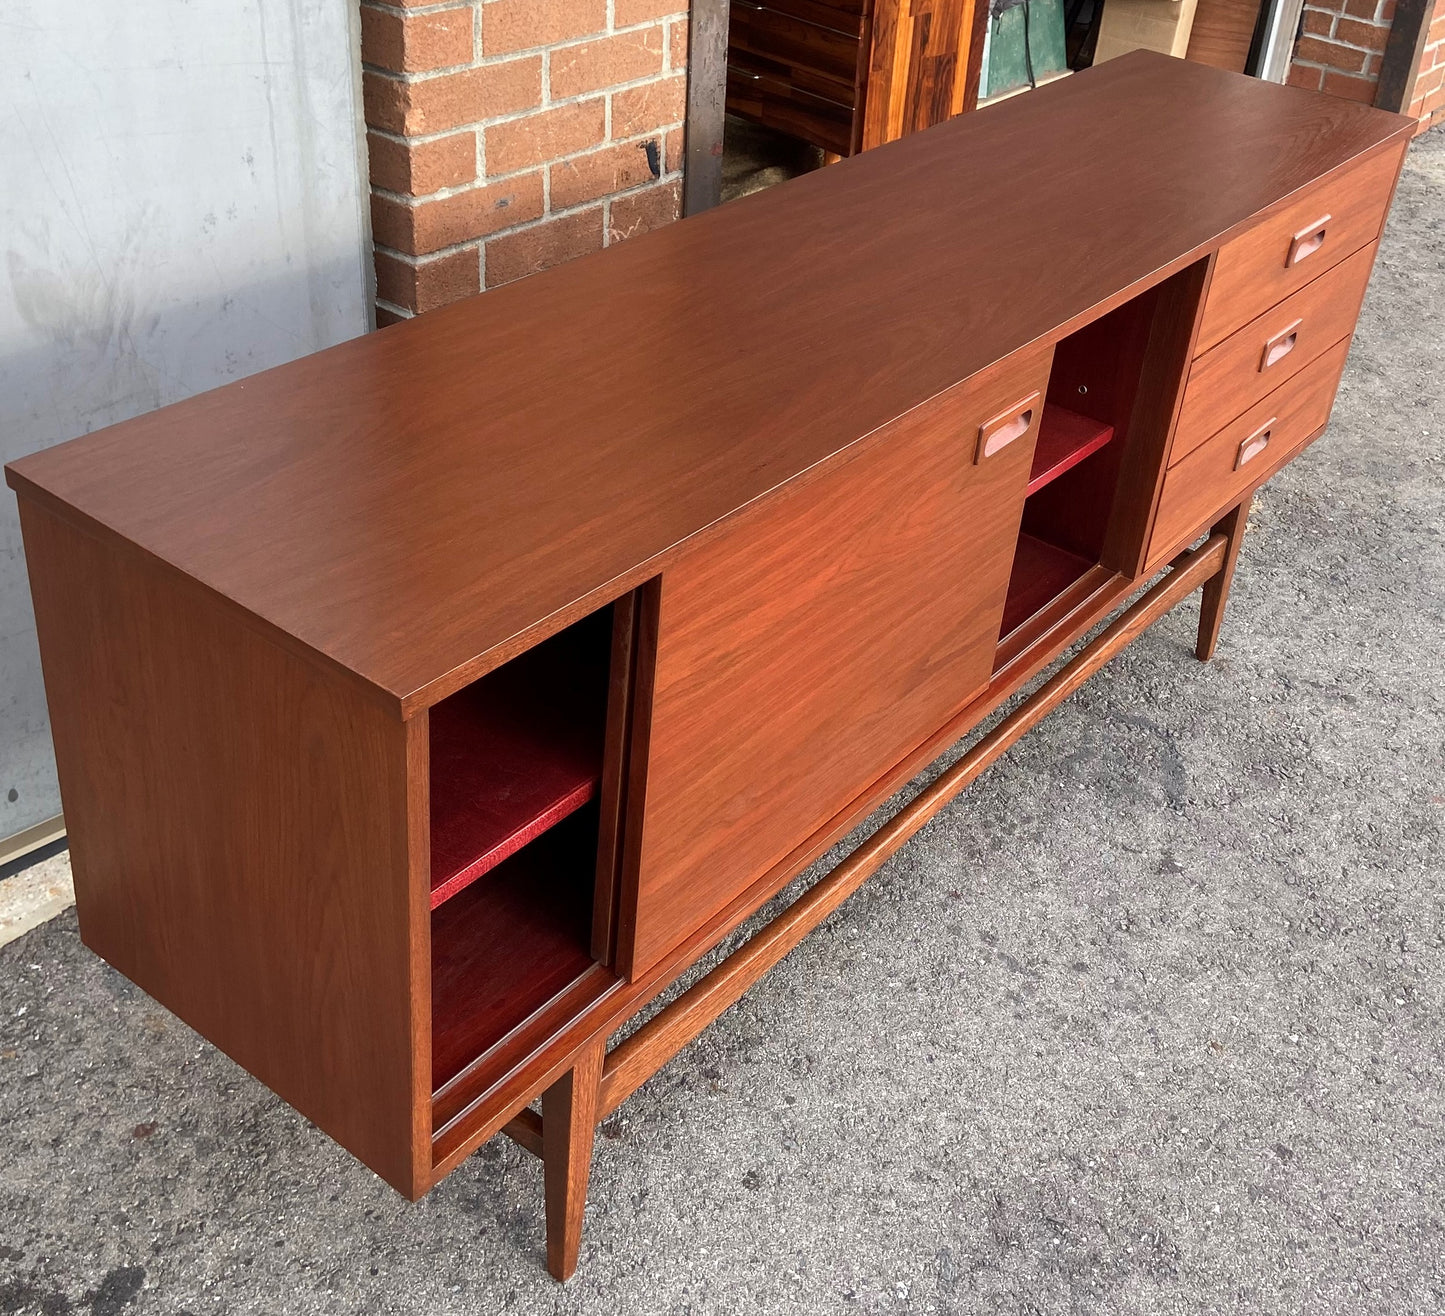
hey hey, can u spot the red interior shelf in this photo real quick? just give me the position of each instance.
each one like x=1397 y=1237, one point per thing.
x=511 y=756
x=1065 y=439
x=506 y=946
x=1041 y=572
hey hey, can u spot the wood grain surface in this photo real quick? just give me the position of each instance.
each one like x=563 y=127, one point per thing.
x=569 y=1125
x=1209 y=479
x=1222 y=32
x=240 y=827
x=764 y=419
x=1253 y=272
x=804 y=652
x=1216 y=589
x=1232 y=375
x=419 y=504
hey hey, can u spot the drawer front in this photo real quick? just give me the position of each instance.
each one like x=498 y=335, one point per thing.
x=807 y=648
x=839 y=15
x=1333 y=219
x=824 y=52
x=1245 y=452
x=1274 y=347
x=782 y=104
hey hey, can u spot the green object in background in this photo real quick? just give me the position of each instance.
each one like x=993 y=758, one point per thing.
x=1006 y=59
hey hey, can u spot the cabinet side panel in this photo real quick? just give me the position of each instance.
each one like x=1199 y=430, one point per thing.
x=238 y=832
x=805 y=650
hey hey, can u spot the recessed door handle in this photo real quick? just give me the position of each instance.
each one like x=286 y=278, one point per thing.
x=1280 y=346
x=1256 y=443
x=996 y=434
x=1308 y=241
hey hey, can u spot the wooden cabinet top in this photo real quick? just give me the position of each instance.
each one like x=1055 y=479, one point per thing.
x=418 y=504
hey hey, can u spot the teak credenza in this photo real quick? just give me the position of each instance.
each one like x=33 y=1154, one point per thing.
x=425 y=707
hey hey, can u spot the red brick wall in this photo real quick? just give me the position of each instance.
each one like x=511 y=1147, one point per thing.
x=1428 y=100
x=509 y=135
x=1340 y=46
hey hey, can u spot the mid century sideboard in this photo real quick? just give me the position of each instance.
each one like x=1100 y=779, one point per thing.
x=426 y=707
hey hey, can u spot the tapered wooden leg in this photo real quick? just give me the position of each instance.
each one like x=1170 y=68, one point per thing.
x=569 y=1121
x=1216 y=588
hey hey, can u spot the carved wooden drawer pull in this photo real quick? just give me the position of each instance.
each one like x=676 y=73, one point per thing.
x=996 y=434
x=1280 y=346
x=1308 y=241
x=1256 y=443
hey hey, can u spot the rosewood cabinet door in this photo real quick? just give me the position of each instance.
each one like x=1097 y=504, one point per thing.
x=809 y=645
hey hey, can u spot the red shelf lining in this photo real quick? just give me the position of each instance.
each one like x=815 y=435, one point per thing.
x=504 y=948
x=1065 y=439
x=512 y=755
x=1041 y=572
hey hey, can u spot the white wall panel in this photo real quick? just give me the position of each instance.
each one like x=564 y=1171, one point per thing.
x=182 y=202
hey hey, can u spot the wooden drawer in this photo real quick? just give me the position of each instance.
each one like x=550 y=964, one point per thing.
x=839 y=15
x=1274 y=347
x=809 y=646
x=781 y=103
x=1245 y=452
x=825 y=52
x=1332 y=219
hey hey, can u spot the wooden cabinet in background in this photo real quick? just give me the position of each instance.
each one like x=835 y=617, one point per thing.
x=847 y=75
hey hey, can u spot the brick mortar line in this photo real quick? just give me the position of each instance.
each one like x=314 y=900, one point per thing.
x=442 y=194
x=1375 y=18
x=478 y=242
x=445 y=6
x=420 y=75
x=484 y=179
x=419 y=139
x=1338 y=72
x=1341 y=16
x=602 y=202
x=1336 y=17
x=1343 y=45
x=531 y=52
x=1329 y=68
x=446 y=193
x=546 y=104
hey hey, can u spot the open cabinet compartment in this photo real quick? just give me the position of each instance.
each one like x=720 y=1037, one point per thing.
x=1104 y=427
x=517 y=765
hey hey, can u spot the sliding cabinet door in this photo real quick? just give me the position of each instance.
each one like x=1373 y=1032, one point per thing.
x=813 y=642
